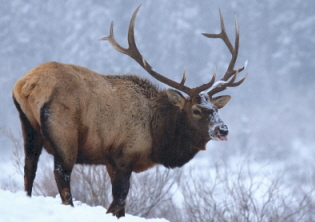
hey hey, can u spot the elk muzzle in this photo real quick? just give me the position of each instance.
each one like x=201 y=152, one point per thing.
x=219 y=132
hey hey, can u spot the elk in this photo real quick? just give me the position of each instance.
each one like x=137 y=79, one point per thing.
x=123 y=122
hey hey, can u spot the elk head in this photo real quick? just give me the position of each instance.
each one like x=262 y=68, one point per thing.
x=201 y=106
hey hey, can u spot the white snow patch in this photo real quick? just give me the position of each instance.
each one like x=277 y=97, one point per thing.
x=17 y=207
x=245 y=64
x=205 y=100
x=216 y=84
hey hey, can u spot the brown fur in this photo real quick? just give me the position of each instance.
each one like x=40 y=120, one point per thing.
x=121 y=121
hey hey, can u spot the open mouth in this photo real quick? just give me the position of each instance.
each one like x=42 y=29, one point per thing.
x=219 y=137
x=222 y=138
x=219 y=133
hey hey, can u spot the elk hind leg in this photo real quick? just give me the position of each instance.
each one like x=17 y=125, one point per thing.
x=33 y=144
x=62 y=172
x=65 y=154
x=62 y=140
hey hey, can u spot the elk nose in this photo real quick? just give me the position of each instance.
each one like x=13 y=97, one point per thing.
x=223 y=130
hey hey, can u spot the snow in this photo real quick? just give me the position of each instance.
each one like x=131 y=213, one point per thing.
x=216 y=84
x=17 y=207
x=245 y=64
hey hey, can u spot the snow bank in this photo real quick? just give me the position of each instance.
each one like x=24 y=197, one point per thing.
x=17 y=207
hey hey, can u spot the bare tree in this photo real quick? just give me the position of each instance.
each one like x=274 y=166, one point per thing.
x=244 y=195
x=151 y=190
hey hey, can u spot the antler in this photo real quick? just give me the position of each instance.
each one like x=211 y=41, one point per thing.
x=134 y=53
x=223 y=83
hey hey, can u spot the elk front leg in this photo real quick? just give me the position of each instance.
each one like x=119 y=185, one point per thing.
x=120 y=187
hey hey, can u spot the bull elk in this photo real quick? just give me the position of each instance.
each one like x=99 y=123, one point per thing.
x=121 y=121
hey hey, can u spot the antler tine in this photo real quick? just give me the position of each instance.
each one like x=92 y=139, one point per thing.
x=239 y=82
x=131 y=41
x=184 y=78
x=234 y=53
x=134 y=53
x=112 y=40
x=222 y=35
x=223 y=83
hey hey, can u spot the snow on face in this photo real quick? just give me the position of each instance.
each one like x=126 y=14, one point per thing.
x=216 y=124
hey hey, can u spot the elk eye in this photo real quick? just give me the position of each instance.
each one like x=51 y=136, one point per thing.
x=196 y=112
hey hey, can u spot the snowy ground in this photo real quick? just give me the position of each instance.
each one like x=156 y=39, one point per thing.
x=17 y=207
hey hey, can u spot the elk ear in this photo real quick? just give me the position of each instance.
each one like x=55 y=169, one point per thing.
x=220 y=101
x=176 y=98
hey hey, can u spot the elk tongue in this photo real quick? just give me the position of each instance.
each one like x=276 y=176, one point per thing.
x=223 y=138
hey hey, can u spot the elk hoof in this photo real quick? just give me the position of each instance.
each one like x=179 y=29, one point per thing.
x=116 y=210
x=66 y=197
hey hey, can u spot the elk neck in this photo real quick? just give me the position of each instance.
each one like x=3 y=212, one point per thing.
x=174 y=141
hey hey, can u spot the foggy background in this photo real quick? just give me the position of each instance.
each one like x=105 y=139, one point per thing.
x=270 y=116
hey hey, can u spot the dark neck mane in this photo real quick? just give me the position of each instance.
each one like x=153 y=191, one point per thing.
x=173 y=139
